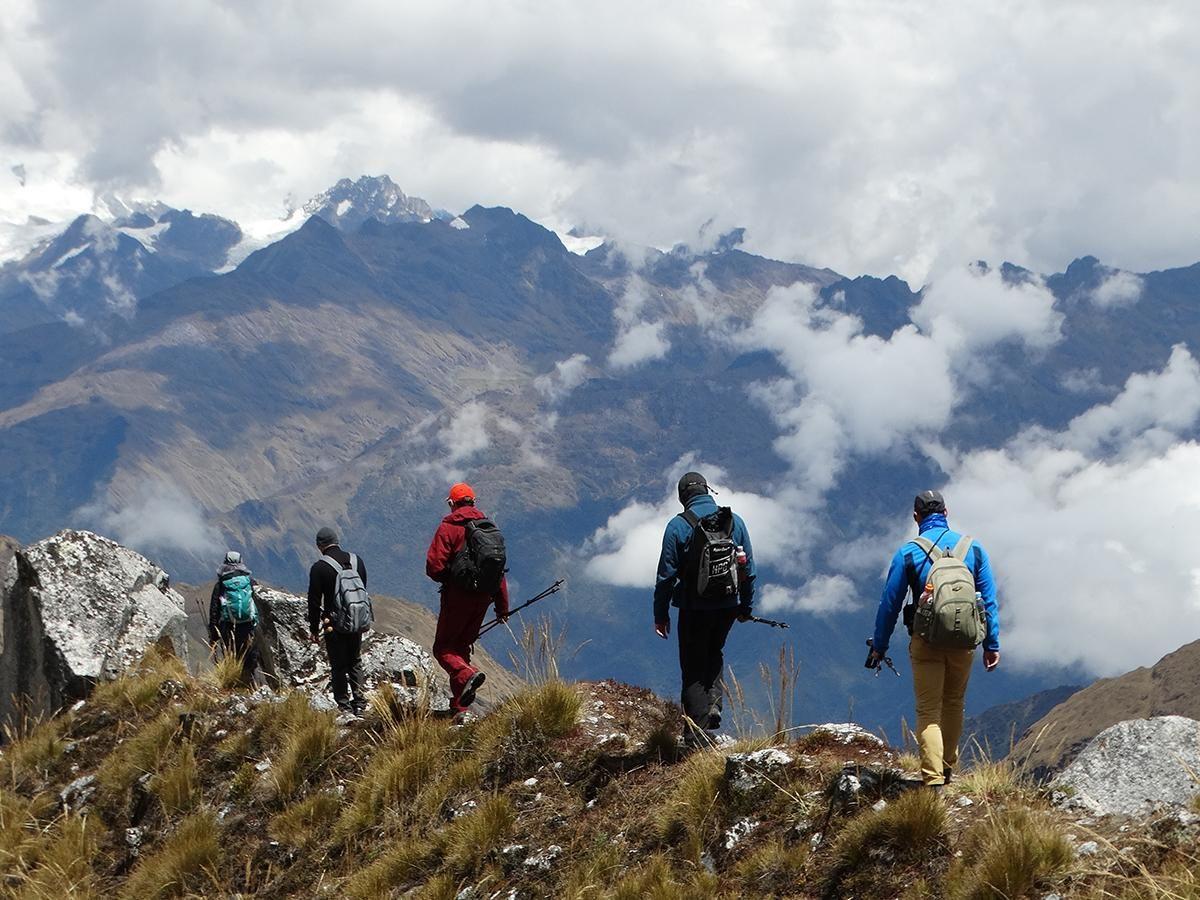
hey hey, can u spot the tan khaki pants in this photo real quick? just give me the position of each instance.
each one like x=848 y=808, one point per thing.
x=940 y=684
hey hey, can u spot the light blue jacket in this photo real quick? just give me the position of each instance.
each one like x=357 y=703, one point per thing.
x=909 y=570
x=670 y=589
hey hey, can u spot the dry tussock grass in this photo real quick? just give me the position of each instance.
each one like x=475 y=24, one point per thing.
x=186 y=861
x=1009 y=854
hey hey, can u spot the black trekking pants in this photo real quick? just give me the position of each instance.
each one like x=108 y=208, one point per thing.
x=238 y=639
x=702 y=634
x=345 y=667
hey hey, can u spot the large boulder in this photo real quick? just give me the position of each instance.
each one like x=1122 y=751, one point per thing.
x=291 y=660
x=1134 y=768
x=78 y=608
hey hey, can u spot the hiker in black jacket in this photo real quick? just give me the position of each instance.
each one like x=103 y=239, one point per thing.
x=345 y=650
x=704 y=619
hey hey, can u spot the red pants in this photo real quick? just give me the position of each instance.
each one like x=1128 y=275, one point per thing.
x=457 y=628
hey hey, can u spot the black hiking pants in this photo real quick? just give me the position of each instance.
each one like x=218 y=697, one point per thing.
x=702 y=634
x=238 y=639
x=345 y=668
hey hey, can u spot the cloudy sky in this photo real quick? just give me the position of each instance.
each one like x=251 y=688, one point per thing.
x=873 y=136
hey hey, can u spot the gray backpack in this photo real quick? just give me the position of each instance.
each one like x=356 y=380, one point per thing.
x=351 y=613
x=949 y=614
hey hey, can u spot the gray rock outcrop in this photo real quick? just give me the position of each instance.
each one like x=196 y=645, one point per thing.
x=291 y=660
x=1134 y=768
x=79 y=608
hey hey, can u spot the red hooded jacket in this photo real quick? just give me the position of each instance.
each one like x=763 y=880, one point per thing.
x=448 y=540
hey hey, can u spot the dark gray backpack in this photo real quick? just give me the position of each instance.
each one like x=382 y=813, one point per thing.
x=351 y=613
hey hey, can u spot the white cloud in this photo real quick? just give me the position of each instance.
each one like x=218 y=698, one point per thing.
x=822 y=595
x=1117 y=289
x=917 y=135
x=1150 y=413
x=567 y=375
x=466 y=434
x=1092 y=530
x=968 y=308
x=159 y=518
x=637 y=344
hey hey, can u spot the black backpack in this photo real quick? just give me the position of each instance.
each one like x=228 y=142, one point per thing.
x=482 y=562
x=711 y=566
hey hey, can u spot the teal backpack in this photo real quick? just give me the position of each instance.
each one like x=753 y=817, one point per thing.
x=237 y=601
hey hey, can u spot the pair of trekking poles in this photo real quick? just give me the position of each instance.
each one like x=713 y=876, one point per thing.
x=557 y=586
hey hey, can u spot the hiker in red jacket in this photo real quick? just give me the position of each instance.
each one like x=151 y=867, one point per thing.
x=463 y=604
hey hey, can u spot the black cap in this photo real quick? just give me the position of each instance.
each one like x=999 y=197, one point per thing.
x=326 y=536
x=929 y=502
x=690 y=485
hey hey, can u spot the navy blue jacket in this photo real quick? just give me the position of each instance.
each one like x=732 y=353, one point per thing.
x=670 y=590
x=909 y=570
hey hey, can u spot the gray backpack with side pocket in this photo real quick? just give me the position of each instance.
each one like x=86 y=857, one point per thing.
x=949 y=614
x=352 y=612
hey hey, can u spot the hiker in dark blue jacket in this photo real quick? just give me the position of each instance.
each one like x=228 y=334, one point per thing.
x=940 y=676
x=705 y=617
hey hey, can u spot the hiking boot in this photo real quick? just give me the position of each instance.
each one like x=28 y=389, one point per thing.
x=948 y=774
x=468 y=694
x=714 y=721
x=358 y=707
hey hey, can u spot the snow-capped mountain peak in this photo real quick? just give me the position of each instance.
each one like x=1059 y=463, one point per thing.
x=348 y=203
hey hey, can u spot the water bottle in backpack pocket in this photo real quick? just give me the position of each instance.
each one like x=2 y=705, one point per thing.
x=949 y=614
x=351 y=612
x=712 y=555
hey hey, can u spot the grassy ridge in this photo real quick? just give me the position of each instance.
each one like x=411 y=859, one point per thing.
x=564 y=791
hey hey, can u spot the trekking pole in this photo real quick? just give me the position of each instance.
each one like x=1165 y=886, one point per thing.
x=887 y=660
x=553 y=589
x=770 y=622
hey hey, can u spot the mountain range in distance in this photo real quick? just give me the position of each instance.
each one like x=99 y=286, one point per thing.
x=179 y=383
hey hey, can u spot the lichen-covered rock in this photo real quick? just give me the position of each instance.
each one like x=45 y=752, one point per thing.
x=291 y=659
x=746 y=773
x=79 y=608
x=1134 y=768
x=848 y=733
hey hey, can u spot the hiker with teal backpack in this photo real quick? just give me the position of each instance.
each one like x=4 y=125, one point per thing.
x=706 y=570
x=233 y=614
x=953 y=610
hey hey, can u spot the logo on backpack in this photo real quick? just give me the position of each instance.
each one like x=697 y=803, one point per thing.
x=949 y=614
x=482 y=562
x=712 y=555
x=351 y=613
x=237 y=600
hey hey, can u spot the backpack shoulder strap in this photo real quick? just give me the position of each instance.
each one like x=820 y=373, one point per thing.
x=353 y=567
x=932 y=550
x=337 y=566
x=962 y=548
x=690 y=517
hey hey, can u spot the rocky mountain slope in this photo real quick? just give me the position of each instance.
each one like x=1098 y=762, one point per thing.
x=1168 y=688
x=994 y=732
x=78 y=609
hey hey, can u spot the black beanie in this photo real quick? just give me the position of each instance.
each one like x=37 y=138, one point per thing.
x=690 y=485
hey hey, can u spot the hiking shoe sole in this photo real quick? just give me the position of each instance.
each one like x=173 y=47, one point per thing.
x=468 y=694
